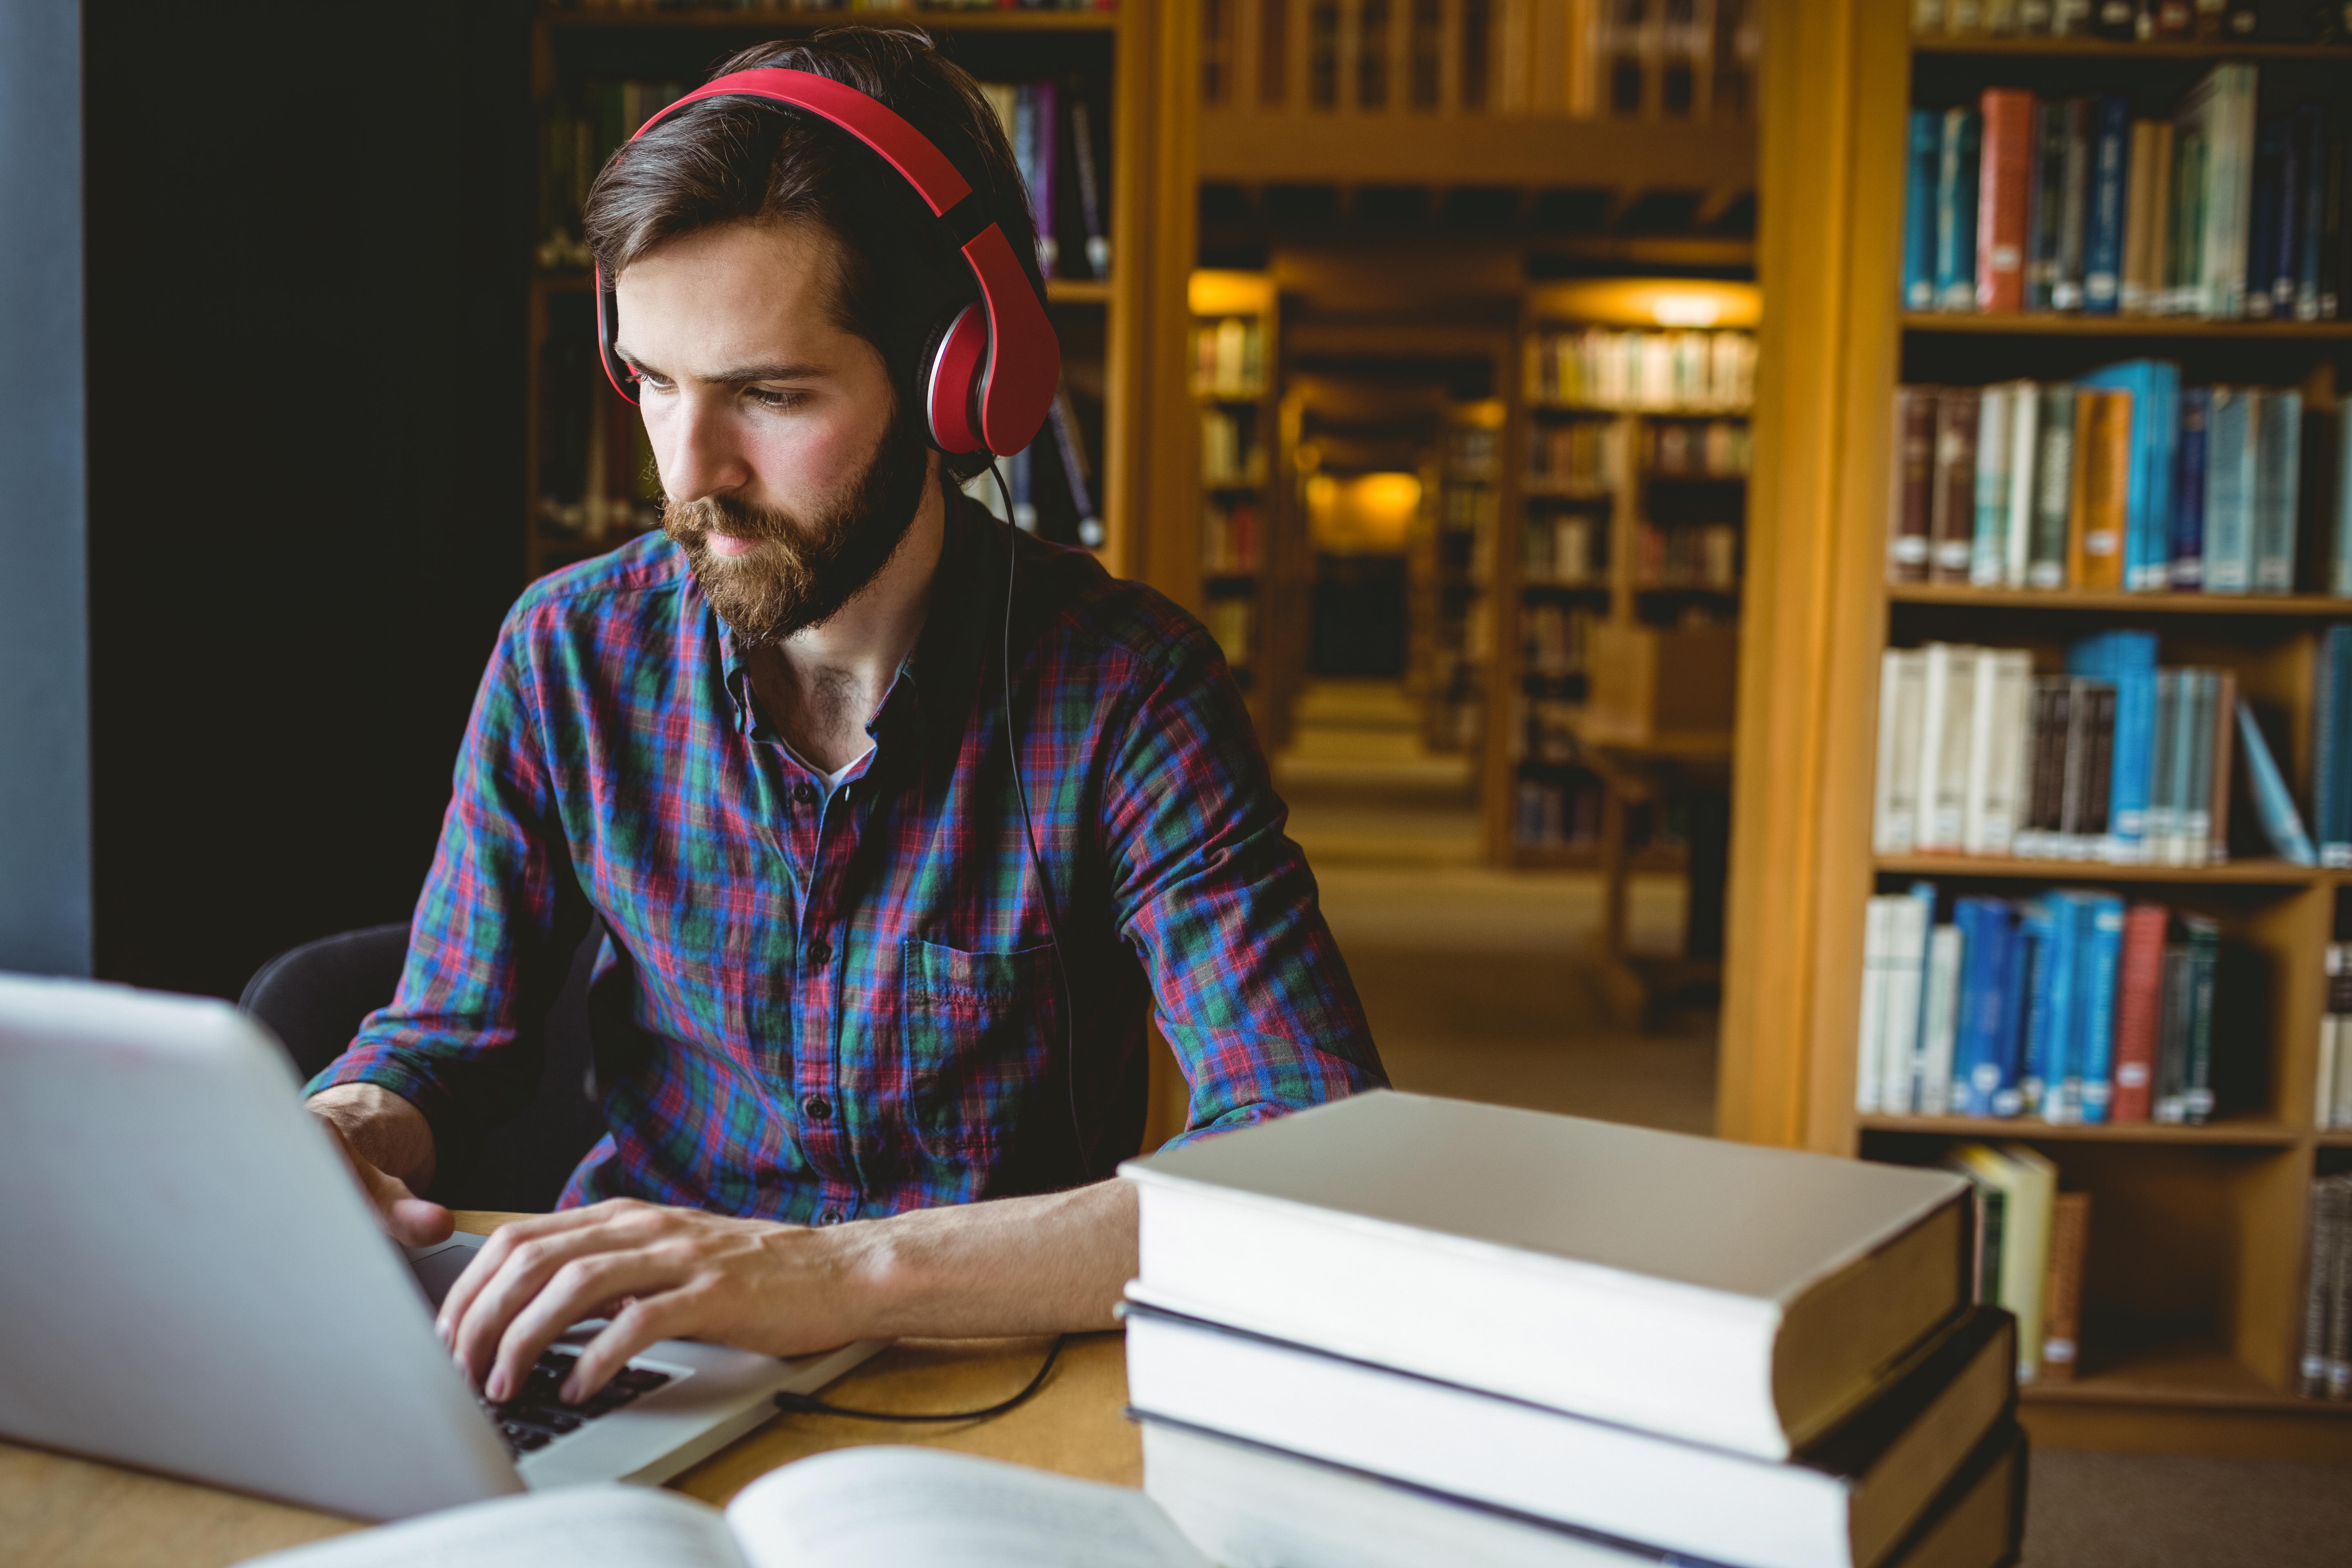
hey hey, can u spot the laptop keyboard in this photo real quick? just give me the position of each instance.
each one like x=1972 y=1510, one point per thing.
x=535 y=1417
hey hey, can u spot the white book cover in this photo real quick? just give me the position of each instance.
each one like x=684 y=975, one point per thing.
x=1939 y=1021
x=1695 y=1288
x=2159 y=818
x=1870 y=1029
x=2193 y=765
x=1902 y=692
x=1906 y=960
x=2025 y=441
x=1945 y=728
x=2003 y=699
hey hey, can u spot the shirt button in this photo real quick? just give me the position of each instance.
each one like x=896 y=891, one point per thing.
x=805 y=794
x=828 y=1217
x=820 y=952
x=818 y=1108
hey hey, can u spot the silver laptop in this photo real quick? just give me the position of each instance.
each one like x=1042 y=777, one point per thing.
x=191 y=1283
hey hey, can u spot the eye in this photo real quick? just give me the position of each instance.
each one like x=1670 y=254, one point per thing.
x=646 y=379
x=776 y=401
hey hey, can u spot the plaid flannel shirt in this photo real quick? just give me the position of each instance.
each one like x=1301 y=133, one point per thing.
x=850 y=1008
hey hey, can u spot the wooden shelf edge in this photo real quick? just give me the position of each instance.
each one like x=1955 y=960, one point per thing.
x=2306 y=605
x=2229 y=873
x=1077 y=290
x=2248 y=1133
x=2117 y=48
x=2038 y=324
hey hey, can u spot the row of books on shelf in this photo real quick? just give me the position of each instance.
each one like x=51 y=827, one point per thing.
x=2123 y=479
x=1633 y=370
x=1713 y=448
x=596 y=475
x=2325 y=1368
x=1472 y=452
x=1063 y=445
x=2116 y=760
x=1229 y=357
x=2128 y=21
x=1586 y=454
x=1569 y=549
x=1468 y=505
x=1291 y=1416
x=2068 y=1007
x=1557 y=638
x=1231 y=456
x=1558 y=814
x=1054 y=130
x=2025 y=204
x=2033 y=1242
x=1687 y=555
x=1229 y=536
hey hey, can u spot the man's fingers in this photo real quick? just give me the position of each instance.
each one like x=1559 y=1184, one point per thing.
x=643 y=1320
x=577 y=1290
x=508 y=1283
x=408 y=1219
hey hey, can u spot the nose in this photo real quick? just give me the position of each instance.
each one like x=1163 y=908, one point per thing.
x=694 y=447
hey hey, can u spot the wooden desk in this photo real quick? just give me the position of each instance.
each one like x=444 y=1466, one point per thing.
x=63 y=1512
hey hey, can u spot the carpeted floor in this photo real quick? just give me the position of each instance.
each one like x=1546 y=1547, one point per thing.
x=1471 y=979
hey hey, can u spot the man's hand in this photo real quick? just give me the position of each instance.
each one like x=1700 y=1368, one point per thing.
x=387 y=1143
x=1016 y=1265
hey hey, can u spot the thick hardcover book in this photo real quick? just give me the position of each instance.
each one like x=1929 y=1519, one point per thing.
x=1997 y=759
x=2050 y=1005
x=2192 y=770
x=2162 y=821
x=2154 y=387
x=2224 y=753
x=1082 y=147
x=1911 y=503
x=2045 y=202
x=2278 y=468
x=2102 y=488
x=2159 y=183
x=2170 y=1102
x=1985 y=1068
x=2330 y=1196
x=2204 y=974
x=1943 y=746
x=2053 y=507
x=2269 y=194
x=2139 y=1005
x=2062 y=1294
x=1907 y=968
x=2127 y=659
x=1951 y=522
x=2141 y=179
x=2274 y=806
x=2044 y=768
x=1870 y=1034
x=1901 y=709
x=1989 y=554
x=2310 y=135
x=2100 y=702
x=2331 y=801
x=2091 y=1096
x=1939 y=1021
x=2231 y=469
x=2003 y=193
x=1956 y=210
x=2027 y=1182
x=2024 y=403
x=1440 y=1238
x=1919 y=211
x=2103 y=244
x=2188 y=567
x=2073 y=116
x=1249 y=1507
x=1844 y=1501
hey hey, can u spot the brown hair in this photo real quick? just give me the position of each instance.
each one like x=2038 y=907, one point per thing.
x=726 y=160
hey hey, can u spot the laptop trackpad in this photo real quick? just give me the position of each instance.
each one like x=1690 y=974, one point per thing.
x=436 y=1268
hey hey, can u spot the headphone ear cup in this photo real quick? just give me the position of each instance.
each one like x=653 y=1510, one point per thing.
x=951 y=382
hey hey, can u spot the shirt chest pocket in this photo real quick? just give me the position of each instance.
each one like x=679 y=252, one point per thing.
x=980 y=1029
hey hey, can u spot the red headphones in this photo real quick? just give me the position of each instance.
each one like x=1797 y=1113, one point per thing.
x=986 y=383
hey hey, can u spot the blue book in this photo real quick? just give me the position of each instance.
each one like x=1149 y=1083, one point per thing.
x=2155 y=388
x=2261 y=235
x=2128 y=660
x=2103 y=241
x=2339 y=559
x=2230 y=464
x=2090 y=1088
x=2047 y=934
x=1919 y=211
x=2282 y=824
x=2331 y=805
x=1957 y=155
x=1984 y=1065
x=2009 y=1024
x=2188 y=495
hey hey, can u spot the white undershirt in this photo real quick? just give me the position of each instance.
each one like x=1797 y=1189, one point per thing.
x=837 y=777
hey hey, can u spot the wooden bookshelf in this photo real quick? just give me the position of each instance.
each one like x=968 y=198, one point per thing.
x=1122 y=336
x=2195 y=1279
x=1450 y=570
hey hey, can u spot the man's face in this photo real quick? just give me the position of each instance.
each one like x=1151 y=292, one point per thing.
x=790 y=473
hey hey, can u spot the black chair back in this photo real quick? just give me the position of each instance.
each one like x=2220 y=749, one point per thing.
x=314 y=996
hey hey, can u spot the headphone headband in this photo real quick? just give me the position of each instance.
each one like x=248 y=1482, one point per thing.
x=1000 y=404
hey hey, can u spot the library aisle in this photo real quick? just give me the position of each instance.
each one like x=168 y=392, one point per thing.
x=1475 y=978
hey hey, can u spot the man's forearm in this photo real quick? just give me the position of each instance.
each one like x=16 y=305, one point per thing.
x=1014 y=1266
x=380 y=1127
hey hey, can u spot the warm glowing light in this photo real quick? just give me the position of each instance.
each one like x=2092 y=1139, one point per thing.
x=1651 y=302
x=1687 y=310
x=1365 y=514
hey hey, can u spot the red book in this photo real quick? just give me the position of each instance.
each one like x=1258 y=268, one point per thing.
x=1913 y=486
x=2004 y=180
x=2139 y=986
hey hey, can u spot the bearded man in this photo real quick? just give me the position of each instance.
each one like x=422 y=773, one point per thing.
x=771 y=748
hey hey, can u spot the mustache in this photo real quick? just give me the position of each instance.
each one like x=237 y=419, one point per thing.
x=691 y=522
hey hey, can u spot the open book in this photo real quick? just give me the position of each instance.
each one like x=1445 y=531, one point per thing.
x=857 y=1507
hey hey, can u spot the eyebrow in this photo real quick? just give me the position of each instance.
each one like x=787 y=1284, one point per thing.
x=740 y=376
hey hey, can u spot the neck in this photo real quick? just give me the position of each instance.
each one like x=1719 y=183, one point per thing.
x=820 y=685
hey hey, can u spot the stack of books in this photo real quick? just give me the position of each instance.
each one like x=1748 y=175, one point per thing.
x=2117 y=759
x=2070 y=1006
x=2120 y=481
x=2018 y=202
x=1400 y=1330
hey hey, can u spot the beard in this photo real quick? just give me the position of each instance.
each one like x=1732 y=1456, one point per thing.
x=802 y=569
